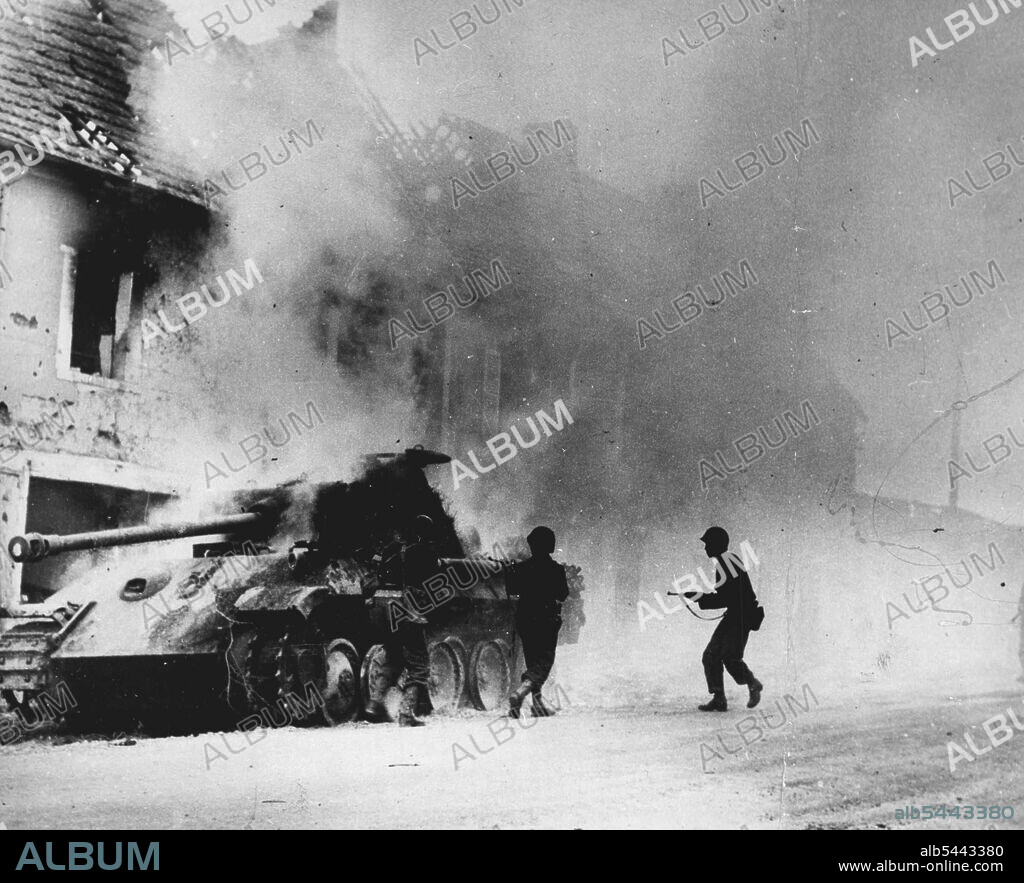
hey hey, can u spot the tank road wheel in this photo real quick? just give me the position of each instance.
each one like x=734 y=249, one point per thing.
x=447 y=676
x=370 y=671
x=489 y=675
x=342 y=688
x=460 y=650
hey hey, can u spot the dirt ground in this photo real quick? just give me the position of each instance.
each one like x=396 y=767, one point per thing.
x=827 y=764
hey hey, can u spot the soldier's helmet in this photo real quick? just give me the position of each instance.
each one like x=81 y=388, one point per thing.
x=541 y=540
x=716 y=538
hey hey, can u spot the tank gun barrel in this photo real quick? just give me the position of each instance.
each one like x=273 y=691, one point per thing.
x=476 y=559
x=35 y=547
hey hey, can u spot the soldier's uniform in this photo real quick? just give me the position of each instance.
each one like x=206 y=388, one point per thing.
x=405 y=646
x=725 y=649
x=541 y=587
x=735 y=595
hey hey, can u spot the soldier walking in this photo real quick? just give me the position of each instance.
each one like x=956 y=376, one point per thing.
x=725 y=649
x=405 y=647
x=541 y=587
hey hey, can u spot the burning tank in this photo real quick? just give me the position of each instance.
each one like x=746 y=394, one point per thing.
x=249 y=627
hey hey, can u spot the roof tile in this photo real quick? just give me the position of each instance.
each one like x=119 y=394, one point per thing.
x=75 y=58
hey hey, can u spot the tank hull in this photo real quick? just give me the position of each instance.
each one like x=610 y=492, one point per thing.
x=243 y=632
x=199 y=644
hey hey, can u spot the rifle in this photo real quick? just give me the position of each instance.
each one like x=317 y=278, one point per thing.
x=688 y=596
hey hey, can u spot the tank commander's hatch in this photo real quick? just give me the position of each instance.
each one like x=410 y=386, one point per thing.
x=417 y=456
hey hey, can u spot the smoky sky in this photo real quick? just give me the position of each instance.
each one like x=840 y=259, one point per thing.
x=854 y=231
x=857 y=230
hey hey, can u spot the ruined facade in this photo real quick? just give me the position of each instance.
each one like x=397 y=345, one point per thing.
x=100 y=227
x=86 y=203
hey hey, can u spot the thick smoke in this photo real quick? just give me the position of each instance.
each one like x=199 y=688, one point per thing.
x=343 y=249
x=324 y=233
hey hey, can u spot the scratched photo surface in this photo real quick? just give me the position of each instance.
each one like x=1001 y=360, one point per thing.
x=311 y=313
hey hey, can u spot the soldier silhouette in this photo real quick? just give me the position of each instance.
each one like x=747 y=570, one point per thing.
x=541 y=587
x=742 y=614
x=406 y=646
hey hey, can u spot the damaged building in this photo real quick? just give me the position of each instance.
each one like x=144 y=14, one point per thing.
x=534 y=276
x=85 y=198
x=99 y=222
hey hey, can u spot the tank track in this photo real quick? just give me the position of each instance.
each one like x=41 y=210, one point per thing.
x=276 y=664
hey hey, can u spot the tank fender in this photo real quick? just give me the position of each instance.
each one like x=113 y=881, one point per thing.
x=305 y=599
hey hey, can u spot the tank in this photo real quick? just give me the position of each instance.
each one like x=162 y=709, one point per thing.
x=260 y=622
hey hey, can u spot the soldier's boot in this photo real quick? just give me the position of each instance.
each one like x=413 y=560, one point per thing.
x=424 y=707
x=407 y=711
x=515 y=701
x=376 y=712
x=755 y=688
x=540 y=707
x=717 y=703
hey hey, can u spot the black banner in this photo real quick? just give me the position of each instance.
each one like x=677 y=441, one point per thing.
x=234 y=852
